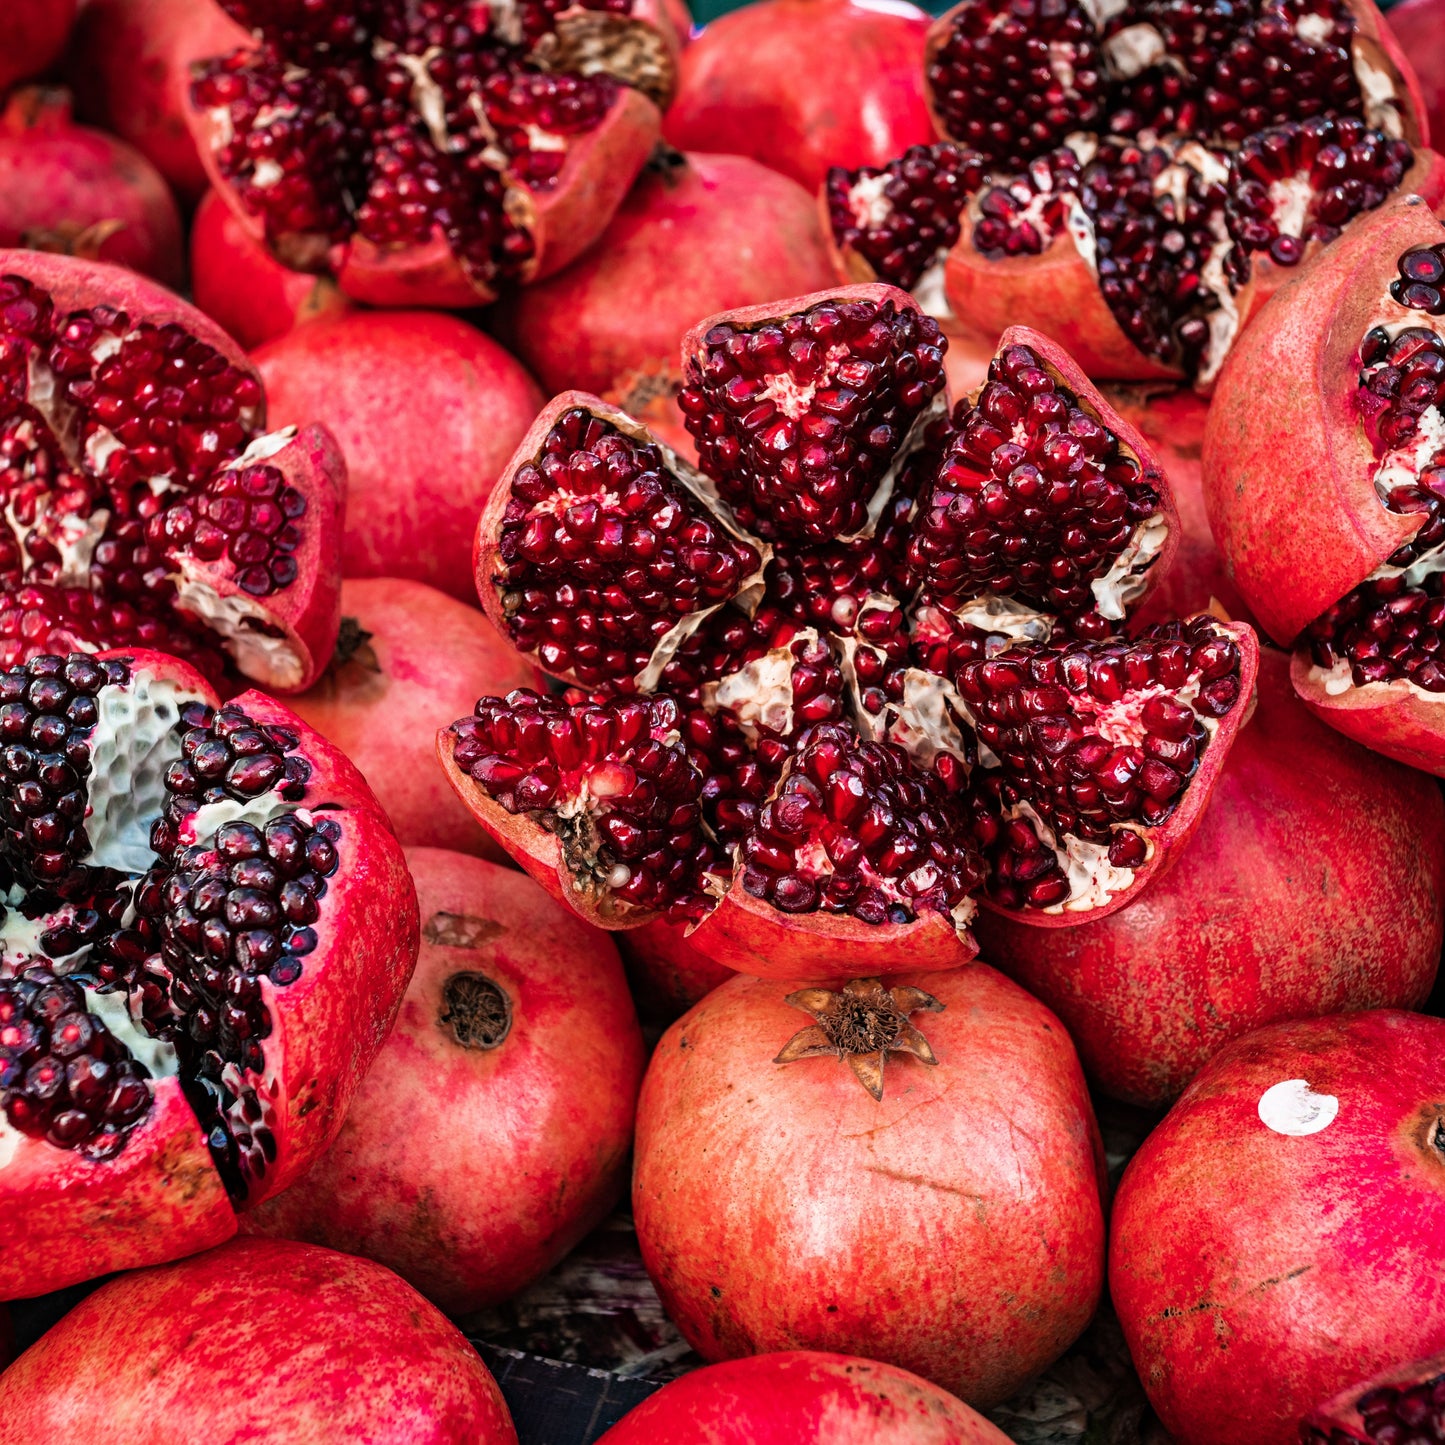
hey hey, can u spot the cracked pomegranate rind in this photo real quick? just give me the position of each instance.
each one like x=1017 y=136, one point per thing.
x=1406 y=1404
x=430 y=154
x=1136 y=179
x=923 y=695
x=1329 y=504
x=206 y=932
x=144 y=502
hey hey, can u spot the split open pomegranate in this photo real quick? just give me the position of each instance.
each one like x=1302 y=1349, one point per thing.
x=207 y=930
x=1329 y=502
x=145 y=503
x=1406 y=1404
x=431 y=152
x=1136 y=178
x=866 y=664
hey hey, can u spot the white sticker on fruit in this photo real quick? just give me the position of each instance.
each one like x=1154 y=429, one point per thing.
x=1292 y=1107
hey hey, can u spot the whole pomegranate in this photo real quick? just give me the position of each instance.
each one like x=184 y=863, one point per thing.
x=801 y=671
x=1275 y=910
x=1419 y=26
x=696 y=234
x=332 y=1348
x=146 y=504
x=209 y=930
x=941 y=1211
x=432 y=155
x=1406 y=1403
x=1329 y=503
x=516 y=1057
x=427 y=411
x=797 y=1395
x=243 y=288
x=1136 y=178
x=32 y=36
x=1277 y=1237
x=802 y=85
x=129 y=62
x=408 y=660
x=67 y=188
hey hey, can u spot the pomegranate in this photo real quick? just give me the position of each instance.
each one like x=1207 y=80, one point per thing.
x=246 y=292
x=1403 y=1404
x=146 y=504
x=1418 y=26
x=408 y=660
x=1329 y=503
x=129 y=62
x=67 y=188
x=800 y=673
x=210 y=927
x=666 y=973
x=1277 y=1236
x=432 y=154
x=779 y=1205
x=798 y=1395
x=516 y=1057
x=802 y=85
x=32 y=35
x=697 y=234
x=427 y=410
x=1136 y=179
x=1274 y=911
x=333 y=1349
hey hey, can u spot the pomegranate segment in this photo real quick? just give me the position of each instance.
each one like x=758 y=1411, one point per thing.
x=1406 y=1404
x=145 y=502
x=181 y=964
x=431 y=154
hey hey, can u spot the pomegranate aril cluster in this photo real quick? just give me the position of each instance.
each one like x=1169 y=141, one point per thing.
x=1393 y=1415
x=797 y=420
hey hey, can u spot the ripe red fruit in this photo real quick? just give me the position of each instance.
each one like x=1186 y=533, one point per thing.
x=1404 y=1403
x=427 y=411
x=409 y=660
x=784 y=1206
x=1291 y=1205
x=1273 y=911
x=516 y=1057
x=150 y=506
x=193 y=982
x=797 y=1395
x=332 y=1349
x=67 y=188
x=32 y=35
x=1419 y=26
x=1329 y=503
x=801 y=85
x=696 y=235
x=243 y=289
x=666 y=973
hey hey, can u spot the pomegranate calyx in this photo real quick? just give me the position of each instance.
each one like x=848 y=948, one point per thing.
x=477 y=1012
x=862 y=1023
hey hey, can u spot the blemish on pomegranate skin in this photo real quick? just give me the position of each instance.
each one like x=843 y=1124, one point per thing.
x=1292 y=1108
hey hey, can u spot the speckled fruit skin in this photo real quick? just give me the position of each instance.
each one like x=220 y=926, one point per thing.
x=428 y=659
x=427 y=410
x=32 y=35
x=801 y=85
x=238 y=284
x=1315 y=883
x=332 y=1349
x=695 y=236
x=1419 y=26
x=954 y=1229
x=1256 y=1273
x=472 y=1171
x=802 y=1395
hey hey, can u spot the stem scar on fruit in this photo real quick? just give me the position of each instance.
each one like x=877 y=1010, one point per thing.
x=863 y=1024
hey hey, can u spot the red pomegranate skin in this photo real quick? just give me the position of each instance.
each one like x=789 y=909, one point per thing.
x=795 y=1396
x=1256 y=1273
x=259 y=1342
x=1419 y=26
x=32 y=35
x=802 y=85
x=428 y=411
x=1279 y=908
x=238 y=284
x=954 y=1228
x=666 y=973
x=66 y=187
x=425 y=662
x=471 y=1171
x=695 y=236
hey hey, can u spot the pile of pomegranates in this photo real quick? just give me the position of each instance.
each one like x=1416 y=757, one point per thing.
x=784 y=675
